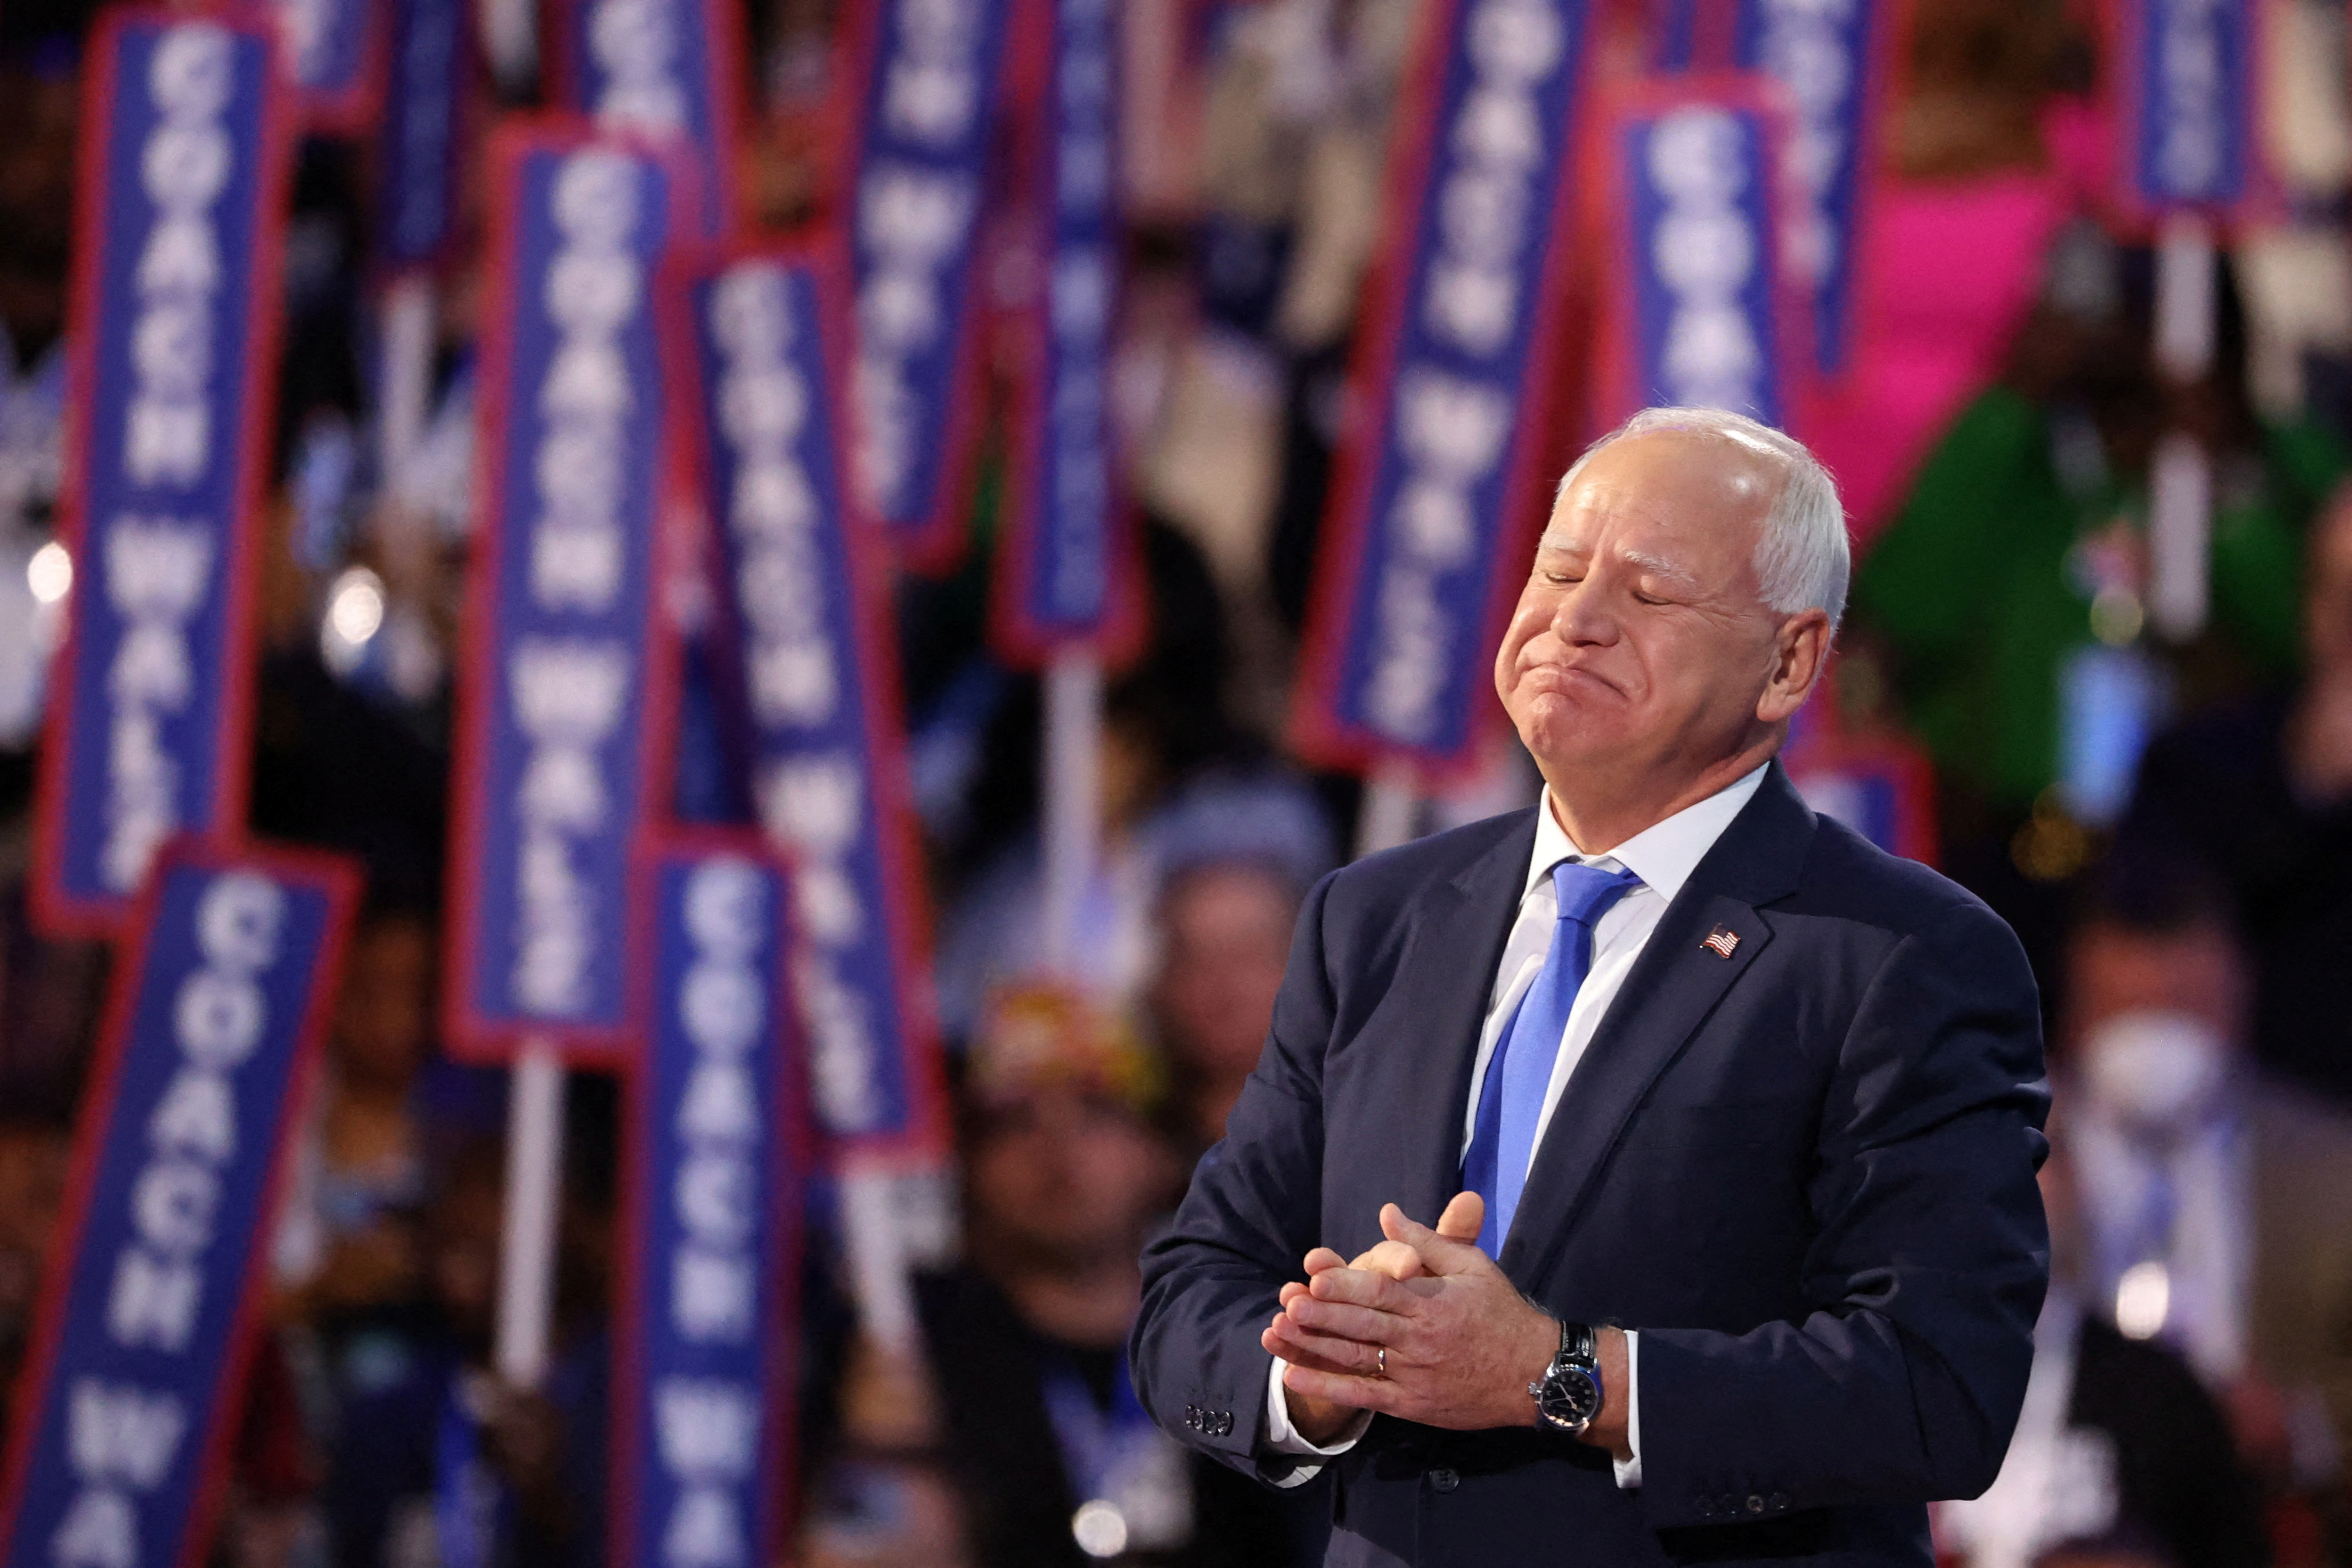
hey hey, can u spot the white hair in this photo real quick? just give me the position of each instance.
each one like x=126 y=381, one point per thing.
x=1802 y=559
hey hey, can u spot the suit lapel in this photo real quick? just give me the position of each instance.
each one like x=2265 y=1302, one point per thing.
x=1444 y=976
x=1667 y=995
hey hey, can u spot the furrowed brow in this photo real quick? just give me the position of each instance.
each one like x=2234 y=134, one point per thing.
x=1658 y=564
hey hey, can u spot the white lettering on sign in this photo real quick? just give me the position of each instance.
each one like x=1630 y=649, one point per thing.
x=1452 y=428
x=1704 y=252
x=635 y=44
x=569 y=695
x=764 y=401
x=711 y=1295
x=914 y=224
x=122 y=1439
x=115 y=1432
x=118 y=1440
x=707 y=1427
x=708 y=1436
x=813 y=800
x=1452 y=433
x=1802 y=45
x=185 y=166
x=817 y=803
x=721 y=1011
x=1082 y=288
x=159 y=570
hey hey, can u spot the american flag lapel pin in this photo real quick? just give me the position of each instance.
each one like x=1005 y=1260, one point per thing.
x=1721 y=941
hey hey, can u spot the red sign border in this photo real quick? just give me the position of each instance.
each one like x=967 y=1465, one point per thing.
x=1315 y=731
x=2119 y=96
x=339 y=878
x=882 y=711
x=796 y=1131
x=54 y=909
x=725 y=33
x=1617 y=393
x=465 y=1035
x=934 y=545
x=356 y=109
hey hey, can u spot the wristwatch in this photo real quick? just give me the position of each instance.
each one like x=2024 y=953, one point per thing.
x=1568 y=1396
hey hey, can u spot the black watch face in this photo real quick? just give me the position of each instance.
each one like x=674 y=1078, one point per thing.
x=1570 y=1398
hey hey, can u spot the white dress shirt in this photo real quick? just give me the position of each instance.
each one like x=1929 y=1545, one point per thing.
x=2206 y=1253
x=1663 y=856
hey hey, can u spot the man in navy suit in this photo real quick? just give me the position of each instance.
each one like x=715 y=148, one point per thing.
x=1737 y=1117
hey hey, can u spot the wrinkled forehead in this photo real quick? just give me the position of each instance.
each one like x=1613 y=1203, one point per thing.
x=1667 y=493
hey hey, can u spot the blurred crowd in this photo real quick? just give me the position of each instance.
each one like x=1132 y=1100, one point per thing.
x=2167 y=821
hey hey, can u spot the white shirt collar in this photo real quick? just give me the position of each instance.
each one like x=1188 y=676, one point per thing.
x=1664 y=854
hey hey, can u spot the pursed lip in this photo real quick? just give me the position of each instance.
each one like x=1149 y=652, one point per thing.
x=1557 y=677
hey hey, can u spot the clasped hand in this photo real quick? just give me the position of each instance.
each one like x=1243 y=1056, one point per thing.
x=1461 y=1343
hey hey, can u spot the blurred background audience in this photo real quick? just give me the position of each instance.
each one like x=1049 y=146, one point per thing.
x=2258 y=790
x=1065 y=1177
x=2206 y=1187
x=2168 y=821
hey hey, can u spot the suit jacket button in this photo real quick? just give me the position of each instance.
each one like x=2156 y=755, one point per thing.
x=1729 y=1505
x=1755 y=1503
x=1779 y=1501
x=1225 y=1423
x=1444 y=1479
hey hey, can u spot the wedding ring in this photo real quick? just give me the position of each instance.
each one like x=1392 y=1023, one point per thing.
x=1384 y=1360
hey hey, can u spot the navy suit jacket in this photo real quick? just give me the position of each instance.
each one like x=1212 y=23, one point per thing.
x=1805 y=1172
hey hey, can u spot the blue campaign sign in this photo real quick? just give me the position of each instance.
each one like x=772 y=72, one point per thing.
x=761 y=351
x=1066 y=576
x=2188 y=72
x=174 y=329
x=561 y=719
x=715 y=1157
x=1448 y=403
x=1832 y=60
x=930 y=75
x=1695 y=256
x=668 y=71
x=1884 y=791
x=430 y=63
x=330 y=48
x=126 y=1408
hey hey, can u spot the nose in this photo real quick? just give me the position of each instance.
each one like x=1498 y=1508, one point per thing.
x=1581 y=619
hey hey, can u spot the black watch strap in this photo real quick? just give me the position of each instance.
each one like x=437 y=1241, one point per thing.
x=1569 y=1395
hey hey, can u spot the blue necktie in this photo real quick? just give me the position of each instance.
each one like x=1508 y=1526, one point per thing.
x=1518 y=1074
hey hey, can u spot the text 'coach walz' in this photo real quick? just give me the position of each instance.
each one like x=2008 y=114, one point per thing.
x=1738 y=1116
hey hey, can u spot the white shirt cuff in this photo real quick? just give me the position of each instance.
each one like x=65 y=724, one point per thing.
x=1629 y=1471
x=1283 y=1438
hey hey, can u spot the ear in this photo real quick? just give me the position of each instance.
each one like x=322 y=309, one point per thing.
x=1801 y=651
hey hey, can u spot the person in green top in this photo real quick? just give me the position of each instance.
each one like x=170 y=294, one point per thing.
x=2022 y=539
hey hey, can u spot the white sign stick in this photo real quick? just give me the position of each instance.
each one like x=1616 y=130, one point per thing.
x=534 y=1171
